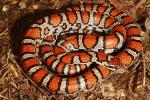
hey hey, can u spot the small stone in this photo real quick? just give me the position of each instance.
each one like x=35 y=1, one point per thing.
x=139 y=88
x=14 y=2
x=120 y=94
x=22 y=4
x=107 y=90
x=5 y=8
x=35 y=6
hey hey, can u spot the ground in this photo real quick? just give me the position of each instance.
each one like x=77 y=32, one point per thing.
x=14 y=85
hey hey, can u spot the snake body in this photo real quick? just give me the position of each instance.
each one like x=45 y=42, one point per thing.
x=72 y=50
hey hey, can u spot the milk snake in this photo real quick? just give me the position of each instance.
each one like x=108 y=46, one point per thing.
x=74 y=49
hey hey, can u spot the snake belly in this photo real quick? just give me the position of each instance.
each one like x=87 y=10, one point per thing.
x=74 y=49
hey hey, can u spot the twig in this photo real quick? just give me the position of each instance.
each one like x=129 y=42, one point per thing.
x=5 y=73
x=2 y=69
x=144 y=69
x=129 y=85
x=14 y=61
x=9 y=86
x=8 y=56
x=131 y=79
x=136 y=65
x=4 y=32
x=140 y=3
x=3 y=97
x=4 y=91
x=7 y=59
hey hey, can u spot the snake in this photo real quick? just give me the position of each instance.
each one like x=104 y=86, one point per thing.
x=74 y=49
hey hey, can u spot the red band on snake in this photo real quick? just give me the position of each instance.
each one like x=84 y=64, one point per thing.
x=72 y=50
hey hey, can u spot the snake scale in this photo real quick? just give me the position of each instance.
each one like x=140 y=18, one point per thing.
x=74 y=49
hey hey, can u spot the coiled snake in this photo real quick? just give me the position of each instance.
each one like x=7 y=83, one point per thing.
x=72 y=50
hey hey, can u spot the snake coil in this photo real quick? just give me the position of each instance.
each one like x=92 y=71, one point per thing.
x=72 y=50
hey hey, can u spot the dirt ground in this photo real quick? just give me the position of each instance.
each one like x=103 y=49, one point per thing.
x=133 y=84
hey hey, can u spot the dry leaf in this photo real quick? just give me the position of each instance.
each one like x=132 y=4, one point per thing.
x=13 y=70
x=107 y=90
x=147 y=24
